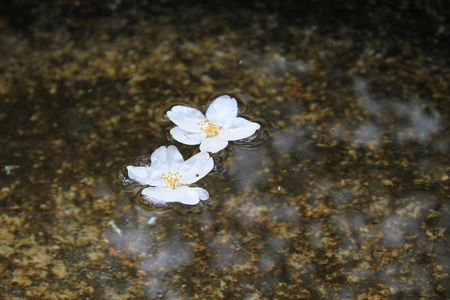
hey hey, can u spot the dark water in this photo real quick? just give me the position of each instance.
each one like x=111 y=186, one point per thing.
x=343 y=196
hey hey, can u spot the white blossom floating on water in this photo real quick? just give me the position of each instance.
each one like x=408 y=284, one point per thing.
x=213 y=131
x=169 y=176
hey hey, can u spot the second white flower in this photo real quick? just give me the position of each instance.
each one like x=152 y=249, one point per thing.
x=213 y=131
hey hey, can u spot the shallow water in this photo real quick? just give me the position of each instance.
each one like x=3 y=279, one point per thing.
x=344 y=194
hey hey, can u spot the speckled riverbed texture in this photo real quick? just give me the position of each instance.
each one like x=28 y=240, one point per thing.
x=348 y=197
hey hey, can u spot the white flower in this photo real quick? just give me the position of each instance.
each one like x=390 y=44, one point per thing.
x=170 y=176
x=214 y=130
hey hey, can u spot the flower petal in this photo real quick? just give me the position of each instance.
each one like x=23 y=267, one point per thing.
x=163 y=160
x=213 y=144
x=241 y=128
x=201 y=193
x=186 y=137
x=139 y=174
x=159 y=195
x=165 y=156
x=184 y=194
x=187 y=118
x=156 y=179
x=196 y=167
x=222 y=110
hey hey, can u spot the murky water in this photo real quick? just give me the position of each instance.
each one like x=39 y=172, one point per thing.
x=342 y=194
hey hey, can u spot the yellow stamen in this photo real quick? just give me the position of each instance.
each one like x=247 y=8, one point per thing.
x=209 y=128
x=172 y=179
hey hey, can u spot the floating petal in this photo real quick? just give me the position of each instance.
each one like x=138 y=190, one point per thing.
x=222 y=110
x=187 y=118
x=186 y=137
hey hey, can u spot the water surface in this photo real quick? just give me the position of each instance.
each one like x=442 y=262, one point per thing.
x=345 y=196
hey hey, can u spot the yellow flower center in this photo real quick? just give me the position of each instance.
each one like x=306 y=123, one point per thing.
x=172 y=179
x=209 y=128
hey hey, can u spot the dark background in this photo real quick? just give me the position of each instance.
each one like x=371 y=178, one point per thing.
x=422 y=23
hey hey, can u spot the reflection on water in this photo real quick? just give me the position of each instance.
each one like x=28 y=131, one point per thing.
x=419 y=121
x=342 y=194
